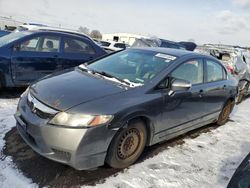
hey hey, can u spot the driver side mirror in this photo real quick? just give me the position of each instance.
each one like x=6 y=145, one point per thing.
x=180 y=85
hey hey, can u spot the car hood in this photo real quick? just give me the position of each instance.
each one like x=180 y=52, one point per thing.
x=64 y=91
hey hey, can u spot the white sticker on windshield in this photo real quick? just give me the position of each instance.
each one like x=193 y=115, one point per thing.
x=166 y=56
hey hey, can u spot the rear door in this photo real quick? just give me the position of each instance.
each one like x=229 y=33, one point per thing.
x=34 y=58
x=76 y=51
x=217 y=92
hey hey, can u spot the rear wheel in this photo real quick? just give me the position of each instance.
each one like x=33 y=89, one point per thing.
x=243 y=93
x=225 y=112
x=127 y=146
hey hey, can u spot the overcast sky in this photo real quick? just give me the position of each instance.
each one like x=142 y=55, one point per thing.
x=205 y=21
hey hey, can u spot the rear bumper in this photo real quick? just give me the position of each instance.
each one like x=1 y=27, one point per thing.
x=79 y=148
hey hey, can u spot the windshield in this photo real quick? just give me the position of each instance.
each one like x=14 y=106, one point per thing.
x=11 y=37
x=137 y=66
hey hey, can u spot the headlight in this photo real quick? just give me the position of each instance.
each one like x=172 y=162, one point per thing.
x=80 y=120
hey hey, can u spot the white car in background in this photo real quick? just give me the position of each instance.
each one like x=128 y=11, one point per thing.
x=113 y=46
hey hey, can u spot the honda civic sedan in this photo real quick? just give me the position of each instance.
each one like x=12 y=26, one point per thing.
x=109 y=110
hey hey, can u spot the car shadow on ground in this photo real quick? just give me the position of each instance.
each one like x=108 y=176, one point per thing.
x=45 y=172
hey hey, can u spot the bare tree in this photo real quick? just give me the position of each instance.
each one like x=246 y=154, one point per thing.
x=84 y=30
x=96 y=34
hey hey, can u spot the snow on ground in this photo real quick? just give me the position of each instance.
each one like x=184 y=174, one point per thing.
x=206 y=161
x=9 y=176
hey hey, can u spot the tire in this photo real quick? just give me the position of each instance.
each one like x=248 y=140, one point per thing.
x=127 y=145
x=243 y=93
x=225 y=112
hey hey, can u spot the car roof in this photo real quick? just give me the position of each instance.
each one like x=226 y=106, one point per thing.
x=57 y=32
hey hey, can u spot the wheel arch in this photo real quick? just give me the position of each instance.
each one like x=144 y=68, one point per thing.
x=140 y=116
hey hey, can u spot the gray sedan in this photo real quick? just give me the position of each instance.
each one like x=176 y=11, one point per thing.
x=109 y=110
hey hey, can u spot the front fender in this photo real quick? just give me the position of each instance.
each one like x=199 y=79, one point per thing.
x=123 y=121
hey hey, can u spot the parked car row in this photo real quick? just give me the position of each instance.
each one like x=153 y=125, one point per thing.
x=236 y=60
x=112 y=46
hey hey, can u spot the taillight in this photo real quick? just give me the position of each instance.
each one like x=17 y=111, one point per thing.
x=230 y=69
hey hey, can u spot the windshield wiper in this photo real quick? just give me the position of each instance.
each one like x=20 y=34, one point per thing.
x=102 y=73
x=114 y=78
x=109 y=76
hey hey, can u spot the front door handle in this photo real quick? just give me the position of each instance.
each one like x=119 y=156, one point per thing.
x=201 y=93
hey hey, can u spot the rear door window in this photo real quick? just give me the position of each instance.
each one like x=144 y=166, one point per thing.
x=51 y=44
x=72 y=45
x=215 y=72
x=41 y=44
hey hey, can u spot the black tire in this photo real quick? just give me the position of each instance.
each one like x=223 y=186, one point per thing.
x=243 y=93
x=127 y=145
x=225 y=112
x=240 y=98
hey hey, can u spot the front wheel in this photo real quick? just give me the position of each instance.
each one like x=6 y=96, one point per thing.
x=127 y=145
x=225 y=112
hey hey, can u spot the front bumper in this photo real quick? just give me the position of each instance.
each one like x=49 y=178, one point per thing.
x=82 y=149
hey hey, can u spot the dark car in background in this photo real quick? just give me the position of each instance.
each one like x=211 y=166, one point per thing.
x=29 y=55
x=241 y=177
x=3 y=33
x=115 y=106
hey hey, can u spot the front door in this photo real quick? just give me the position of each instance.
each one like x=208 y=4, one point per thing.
x=182 y=108
x=35 y=58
